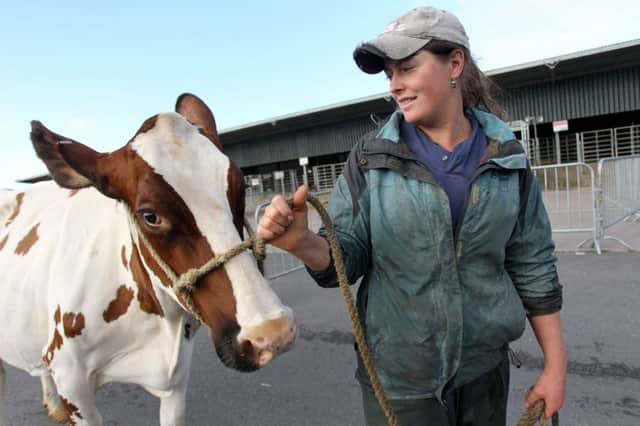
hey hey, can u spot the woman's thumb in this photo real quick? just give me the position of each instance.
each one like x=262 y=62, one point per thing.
x=300 y=198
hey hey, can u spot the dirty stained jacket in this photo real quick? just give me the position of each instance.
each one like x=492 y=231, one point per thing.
x=441 y=301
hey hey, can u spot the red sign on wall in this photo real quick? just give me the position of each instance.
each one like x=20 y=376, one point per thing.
x=560 y=126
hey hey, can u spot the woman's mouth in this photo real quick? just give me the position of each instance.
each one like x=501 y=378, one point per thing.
x=405 y=102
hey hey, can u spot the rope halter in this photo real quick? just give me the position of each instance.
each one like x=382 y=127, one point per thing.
x=184 y=284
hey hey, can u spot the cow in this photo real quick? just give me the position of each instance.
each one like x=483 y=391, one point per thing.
x=84 y=299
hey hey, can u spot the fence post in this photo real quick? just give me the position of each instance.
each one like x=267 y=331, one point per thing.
x=558 y=153
x=294 y=180
x=580 y=153
x=316 y=178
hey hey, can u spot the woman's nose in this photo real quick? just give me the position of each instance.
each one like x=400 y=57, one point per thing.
x=395 y=84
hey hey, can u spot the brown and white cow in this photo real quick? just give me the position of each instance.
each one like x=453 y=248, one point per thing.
x=84 y=303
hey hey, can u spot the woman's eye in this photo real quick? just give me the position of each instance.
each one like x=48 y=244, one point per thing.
x=151 y=218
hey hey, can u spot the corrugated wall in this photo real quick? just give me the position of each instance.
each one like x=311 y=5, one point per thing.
x=585 y=96
x=311 y=142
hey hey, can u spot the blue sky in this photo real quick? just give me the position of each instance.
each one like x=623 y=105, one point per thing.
x=93 y=71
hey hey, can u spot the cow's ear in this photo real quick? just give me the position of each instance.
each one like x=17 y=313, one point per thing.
x=198 y=113
x=71 y=164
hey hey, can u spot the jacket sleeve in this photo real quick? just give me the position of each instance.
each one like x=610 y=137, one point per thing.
x=349 y=212
x=529 y=257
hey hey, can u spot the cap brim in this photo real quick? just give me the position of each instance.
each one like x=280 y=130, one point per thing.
x=370 y=56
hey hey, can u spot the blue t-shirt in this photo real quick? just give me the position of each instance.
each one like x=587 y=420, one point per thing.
x=452 y=170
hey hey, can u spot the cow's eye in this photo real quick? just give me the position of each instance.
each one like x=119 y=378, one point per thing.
x=151 y=218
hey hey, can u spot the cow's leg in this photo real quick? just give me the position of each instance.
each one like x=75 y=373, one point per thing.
x=51 y=400
x=78 y=397
x=173 y=407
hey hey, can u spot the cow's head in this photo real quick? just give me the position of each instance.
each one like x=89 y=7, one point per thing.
x=188 y=200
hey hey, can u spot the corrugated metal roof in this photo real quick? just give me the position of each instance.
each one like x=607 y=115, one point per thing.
x=554 y=68
x=554 y=60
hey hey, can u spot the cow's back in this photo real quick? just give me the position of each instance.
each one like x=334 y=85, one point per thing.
x=48 y=236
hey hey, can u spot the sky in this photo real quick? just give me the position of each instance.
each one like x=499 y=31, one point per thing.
x=94 y=71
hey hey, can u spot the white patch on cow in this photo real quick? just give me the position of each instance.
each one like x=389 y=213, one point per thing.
x=197 y=171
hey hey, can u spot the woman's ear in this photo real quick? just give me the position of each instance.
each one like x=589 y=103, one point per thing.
x=457 y=61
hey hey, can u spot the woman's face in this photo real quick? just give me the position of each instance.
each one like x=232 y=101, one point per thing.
x=421 y=87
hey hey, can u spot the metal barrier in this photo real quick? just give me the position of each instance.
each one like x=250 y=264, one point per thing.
x=619 y=182
x=569 y=194
x=279 y=262
x=325 y=176
x=597 y=144
x=574 y=202
x=627 y=140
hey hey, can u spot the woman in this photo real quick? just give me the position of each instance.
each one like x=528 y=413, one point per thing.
x=439 y=215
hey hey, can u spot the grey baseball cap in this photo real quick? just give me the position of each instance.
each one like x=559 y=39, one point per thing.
x=406 y=35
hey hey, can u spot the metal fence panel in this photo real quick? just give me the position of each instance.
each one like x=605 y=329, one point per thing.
x=620 y=192
x=325 y=176
x=627 y=140
x=569 y=194
x=598 y=144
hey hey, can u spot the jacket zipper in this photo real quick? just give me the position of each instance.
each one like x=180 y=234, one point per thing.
x=458 y=226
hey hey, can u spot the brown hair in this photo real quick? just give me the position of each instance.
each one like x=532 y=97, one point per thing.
x=477 y=89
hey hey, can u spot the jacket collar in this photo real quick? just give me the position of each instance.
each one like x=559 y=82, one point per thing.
x=503 y=149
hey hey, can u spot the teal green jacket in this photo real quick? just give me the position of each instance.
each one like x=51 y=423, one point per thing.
x=440 y=302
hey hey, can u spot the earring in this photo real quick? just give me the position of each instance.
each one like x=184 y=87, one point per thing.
x=453 y=83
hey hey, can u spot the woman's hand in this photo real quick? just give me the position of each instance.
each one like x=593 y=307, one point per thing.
x=551 y=384
x=283 y=226
x=550 y=387
x=288 y=228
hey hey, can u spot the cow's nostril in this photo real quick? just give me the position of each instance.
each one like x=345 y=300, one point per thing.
x=246 y=349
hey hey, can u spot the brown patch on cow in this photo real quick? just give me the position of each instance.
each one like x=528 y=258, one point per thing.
x=55 y=344
x=120 y=305
x=71 y=411
x=56 y=340
x=198 y=113
x=123 y=256
x=148 y=124
x=235 y=196
x=73 y=324
x=4 y=242
x=73 y=192
x=16 y=211
x=157 y=270
x=28 y=241
x=147 y=297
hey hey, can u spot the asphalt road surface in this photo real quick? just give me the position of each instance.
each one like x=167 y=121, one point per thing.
x=313 y=384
